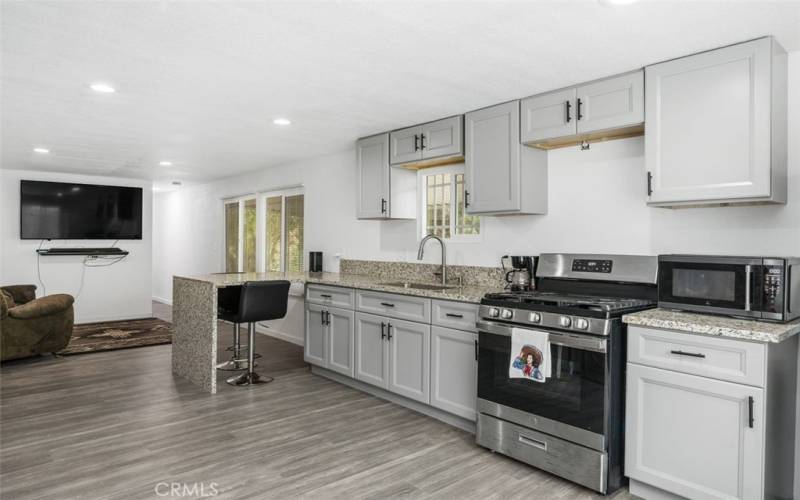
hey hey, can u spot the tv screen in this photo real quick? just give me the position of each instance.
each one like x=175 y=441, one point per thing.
x=66 y=211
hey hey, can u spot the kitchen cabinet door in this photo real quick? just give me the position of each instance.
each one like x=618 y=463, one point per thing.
x=692 y=436
x=548 y=116
x=406 y=145
x=409 y=363
x=372 y=350
x=341 y=332
x=611 y=103
x=372 y=177
x=708 y=125
x=316 y=340
x=454 y=371
x=443 y=137
x=492 y=166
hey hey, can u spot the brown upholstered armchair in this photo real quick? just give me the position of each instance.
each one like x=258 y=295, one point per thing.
x=30 y=326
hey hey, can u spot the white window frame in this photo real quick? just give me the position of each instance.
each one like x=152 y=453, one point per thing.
x=262 y=241
x=240 y=200
x=261 y=226
x=422 y=198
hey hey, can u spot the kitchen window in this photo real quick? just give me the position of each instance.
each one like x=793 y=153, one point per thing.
x=265 y=232
x=442 y=205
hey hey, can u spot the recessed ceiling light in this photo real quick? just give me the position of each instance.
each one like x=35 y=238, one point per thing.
x=43 y=151
x=102 y=87
x=619 y=2
x=165 y=163
x=281 y=121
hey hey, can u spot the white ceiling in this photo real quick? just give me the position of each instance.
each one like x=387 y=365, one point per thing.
x=200 y=83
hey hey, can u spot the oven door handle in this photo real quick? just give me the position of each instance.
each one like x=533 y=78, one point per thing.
x=582 y=342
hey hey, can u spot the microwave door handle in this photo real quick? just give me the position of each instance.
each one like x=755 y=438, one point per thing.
x=748 y=273
x=788 y=288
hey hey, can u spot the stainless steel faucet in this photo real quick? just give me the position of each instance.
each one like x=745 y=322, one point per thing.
x=421 y=253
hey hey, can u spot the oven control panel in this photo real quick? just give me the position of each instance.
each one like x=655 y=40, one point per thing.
x=592 y=265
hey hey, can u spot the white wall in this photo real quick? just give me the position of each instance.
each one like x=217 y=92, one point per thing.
x=120 y=291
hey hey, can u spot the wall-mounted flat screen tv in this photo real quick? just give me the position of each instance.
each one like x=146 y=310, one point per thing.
x=67 y=211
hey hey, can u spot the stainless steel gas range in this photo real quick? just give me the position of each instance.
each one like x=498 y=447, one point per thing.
x=572 y=423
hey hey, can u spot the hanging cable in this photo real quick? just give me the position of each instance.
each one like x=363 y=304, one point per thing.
x=38 y=268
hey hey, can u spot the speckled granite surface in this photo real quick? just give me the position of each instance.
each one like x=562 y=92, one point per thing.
x=718 y=326
x=194 y=339
x=471 y=294
x=424 y=273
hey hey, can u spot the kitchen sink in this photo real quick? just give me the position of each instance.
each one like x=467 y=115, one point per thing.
x=417 y=286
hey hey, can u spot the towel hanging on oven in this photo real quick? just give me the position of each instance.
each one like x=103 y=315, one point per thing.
x=530 y=355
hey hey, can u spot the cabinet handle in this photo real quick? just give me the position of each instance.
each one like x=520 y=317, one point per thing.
x=327 y=317
x=383 y=205
x=451 y=315
x=476 y=349
x=578 y=109
x=649 y=183
x=569 y=107
x=389 y=331
x=383 y=330
x=325 y=295
x=322 y=317
x=692 y=354
x=466 y=198
x=751 y=419
x=387 y=304
x=416 y=142
x=422 y=141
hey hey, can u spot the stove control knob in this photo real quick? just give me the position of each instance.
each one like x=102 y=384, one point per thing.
x=507 y=314
x=565 y=321
x=494 y=312
x=581 y=324
x=535 y=317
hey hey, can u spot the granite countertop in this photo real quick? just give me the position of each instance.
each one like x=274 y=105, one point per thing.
x=718 y=326
x=472 y=294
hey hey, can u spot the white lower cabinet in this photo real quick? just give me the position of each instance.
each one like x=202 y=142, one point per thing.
x=316 y=338
x=694 y=436
x=329 y=338
x=372 y=351
x=409 y=359
x=454 y=371
x=376 y=343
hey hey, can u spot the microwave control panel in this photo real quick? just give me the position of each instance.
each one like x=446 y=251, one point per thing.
x=772 y=289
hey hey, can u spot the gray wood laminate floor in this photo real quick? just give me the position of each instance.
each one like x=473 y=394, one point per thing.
x=116 y=424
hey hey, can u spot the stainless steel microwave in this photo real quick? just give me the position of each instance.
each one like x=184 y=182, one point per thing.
x=765 y=288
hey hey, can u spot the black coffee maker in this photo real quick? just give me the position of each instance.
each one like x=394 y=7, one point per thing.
x=520 y=272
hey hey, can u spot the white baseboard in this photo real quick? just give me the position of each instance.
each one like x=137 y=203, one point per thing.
x=162 y=300
x=278 y=335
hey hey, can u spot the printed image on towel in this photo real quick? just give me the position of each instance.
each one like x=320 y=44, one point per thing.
x=529 y=361
x=529 y=355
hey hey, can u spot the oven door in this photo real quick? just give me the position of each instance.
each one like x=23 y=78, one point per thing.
x=721 y=285
x=570 y=404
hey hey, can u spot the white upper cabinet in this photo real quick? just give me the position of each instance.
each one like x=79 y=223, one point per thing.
x=405 y=145
x=548 y=115
x=441 y=139
x=382 y=192
x=373 y=176
x=716 y=126
x=502 y=177
x=603 y=109
x=611 y=103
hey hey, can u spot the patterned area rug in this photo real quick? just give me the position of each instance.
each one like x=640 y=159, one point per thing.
x=110 y=335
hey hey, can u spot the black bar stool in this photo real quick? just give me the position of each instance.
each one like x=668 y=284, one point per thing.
x=258 y=301
x=228 y=306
